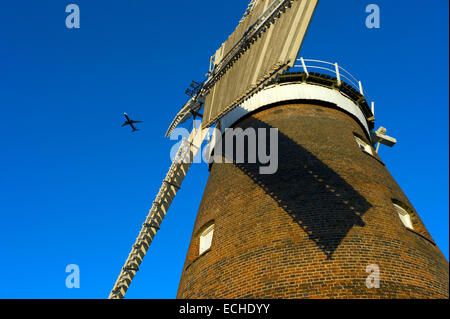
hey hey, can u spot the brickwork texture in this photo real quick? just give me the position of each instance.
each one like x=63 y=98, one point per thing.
x=311 y=229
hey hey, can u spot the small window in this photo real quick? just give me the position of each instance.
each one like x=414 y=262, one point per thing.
x=404 y=216
x=206 y=239
x=363 y=145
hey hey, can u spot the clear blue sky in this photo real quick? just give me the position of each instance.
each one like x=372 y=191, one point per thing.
x=75 y=186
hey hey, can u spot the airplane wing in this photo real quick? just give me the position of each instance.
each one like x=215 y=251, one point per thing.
x=124 y=124
x=133 y=121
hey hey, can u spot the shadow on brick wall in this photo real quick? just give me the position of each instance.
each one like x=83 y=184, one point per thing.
x=320 y=201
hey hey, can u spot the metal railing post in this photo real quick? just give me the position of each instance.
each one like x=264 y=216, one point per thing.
x=338 y=76
x=304 y=66
x=360 y=88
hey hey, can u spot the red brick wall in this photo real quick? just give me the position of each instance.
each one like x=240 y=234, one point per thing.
x=311 y=229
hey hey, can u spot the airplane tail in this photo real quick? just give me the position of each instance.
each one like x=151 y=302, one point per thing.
x=135 y=129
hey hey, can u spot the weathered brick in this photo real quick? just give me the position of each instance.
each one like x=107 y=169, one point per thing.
x=311 y=229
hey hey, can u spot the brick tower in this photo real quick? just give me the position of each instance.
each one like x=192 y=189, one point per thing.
x=329 y=218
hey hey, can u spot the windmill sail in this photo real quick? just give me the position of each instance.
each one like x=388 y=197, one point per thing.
x=265 y=43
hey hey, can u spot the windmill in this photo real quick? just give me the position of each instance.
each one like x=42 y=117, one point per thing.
x=279 y=24
x=292 y=234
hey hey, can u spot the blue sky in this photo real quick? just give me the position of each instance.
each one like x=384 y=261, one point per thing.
x=75 y=186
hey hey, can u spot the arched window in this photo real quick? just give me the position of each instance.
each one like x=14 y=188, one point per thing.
x=404 y=216
x=206 y=239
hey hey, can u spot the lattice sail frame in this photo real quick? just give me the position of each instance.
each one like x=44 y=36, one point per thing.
x=169 y=188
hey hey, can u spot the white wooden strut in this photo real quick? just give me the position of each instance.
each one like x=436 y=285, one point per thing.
x=170 y=185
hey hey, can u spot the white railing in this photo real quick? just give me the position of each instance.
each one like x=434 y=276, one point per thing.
x=334 y=69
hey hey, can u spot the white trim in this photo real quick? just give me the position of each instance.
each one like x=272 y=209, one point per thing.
x=290 y=92
x=404 y=216
x=363 y=145
x=206 y=239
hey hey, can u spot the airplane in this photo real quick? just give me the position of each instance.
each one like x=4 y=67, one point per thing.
x=130 y=122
